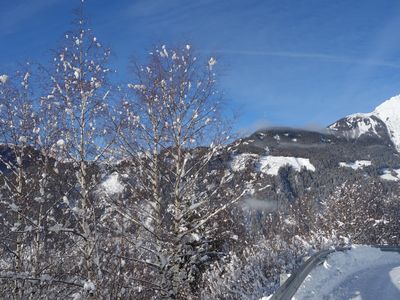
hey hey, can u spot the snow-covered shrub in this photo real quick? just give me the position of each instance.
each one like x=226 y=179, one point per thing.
x=252 y=273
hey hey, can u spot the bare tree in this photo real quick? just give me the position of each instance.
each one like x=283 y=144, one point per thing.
x=27 y=211
x=173 y=133
x=77 y=115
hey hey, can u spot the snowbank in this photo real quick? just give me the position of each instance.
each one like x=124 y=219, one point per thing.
x=326 y=280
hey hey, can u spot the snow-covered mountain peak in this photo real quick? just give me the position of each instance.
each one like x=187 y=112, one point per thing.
x=393 y=104
x=383 y=122
x=389 y=113
x=357 y=125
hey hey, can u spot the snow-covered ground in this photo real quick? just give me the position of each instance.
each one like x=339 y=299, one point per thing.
x=356 y=165
x=361 y=273
x=271 y=164
x=391 y=175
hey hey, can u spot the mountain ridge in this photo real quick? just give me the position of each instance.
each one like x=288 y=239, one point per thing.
x=385 y=117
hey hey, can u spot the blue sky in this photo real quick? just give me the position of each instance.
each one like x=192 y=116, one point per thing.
x=297 y=63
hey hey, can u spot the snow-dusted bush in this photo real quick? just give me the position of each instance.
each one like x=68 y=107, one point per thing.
x=252 y=273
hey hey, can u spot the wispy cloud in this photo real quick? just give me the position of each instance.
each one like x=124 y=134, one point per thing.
x=314 y=56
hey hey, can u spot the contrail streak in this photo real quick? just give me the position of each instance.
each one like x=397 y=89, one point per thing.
x=319 y=56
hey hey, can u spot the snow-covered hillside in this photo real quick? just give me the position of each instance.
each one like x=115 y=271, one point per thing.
x=385 y=119
x=358 y=124
x=270 y=164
